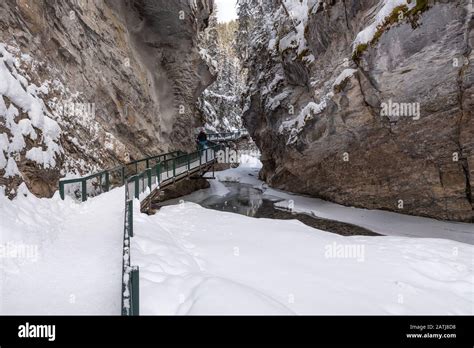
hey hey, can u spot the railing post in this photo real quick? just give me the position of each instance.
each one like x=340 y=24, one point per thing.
x=84 y=190
x=137 y=186
x=135 y=290
x=147 y=162
x=148 y=174
x=107 y=181
x=189 y=161
x=122 y=172
x=206 y=155
x=174 y=167
x=158 y=170
x=61 y=189
x=130 y=217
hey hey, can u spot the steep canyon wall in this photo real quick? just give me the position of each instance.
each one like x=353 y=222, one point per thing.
x=335 y=87
x=113 y=80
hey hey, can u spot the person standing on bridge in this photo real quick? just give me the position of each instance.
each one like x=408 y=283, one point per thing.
x=202 y=139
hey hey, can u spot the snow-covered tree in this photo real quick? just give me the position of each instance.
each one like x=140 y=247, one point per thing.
x=221 y=102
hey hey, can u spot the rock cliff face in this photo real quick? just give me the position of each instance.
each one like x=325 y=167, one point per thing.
x=119 y=78
x=365 y=104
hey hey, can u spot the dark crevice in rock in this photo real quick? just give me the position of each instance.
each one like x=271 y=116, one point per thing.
x=463 y=113
x=345 y=13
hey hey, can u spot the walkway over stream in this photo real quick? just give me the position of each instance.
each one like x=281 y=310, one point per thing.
x=143 y=180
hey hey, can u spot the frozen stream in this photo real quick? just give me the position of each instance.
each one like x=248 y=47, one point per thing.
x=239 y=190
x=245 y=199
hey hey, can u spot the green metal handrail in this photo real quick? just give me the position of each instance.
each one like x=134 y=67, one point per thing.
x=141 y=181
x=222 y=136
x=130 y=274
x=104 y=177
x=228 y=135
x=105 y=180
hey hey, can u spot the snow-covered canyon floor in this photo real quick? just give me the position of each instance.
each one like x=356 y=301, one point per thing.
x=61 y=257
x=200 y=261
x=64 y=257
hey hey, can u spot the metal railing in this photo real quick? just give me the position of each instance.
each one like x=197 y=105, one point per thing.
x=140 y=176
x=227 y=135
x=97 y=183
x=130 y=275
x=137 y=184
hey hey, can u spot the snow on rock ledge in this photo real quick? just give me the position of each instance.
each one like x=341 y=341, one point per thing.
x=387 y=6
x=27 y=128
x=12 y=87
